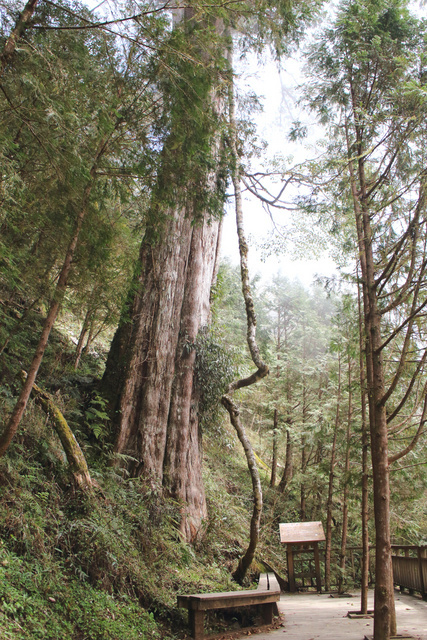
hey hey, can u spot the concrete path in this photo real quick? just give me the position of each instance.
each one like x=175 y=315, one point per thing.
x=320 y=617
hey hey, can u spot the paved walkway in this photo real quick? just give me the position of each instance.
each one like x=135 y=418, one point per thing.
x=320 y=617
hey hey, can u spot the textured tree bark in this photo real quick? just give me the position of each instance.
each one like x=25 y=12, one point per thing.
x=142 y=356
x=150 y=369
x=183 y=455
x=153 y=357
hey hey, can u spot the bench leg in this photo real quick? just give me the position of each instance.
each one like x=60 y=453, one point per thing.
x=196 y=620
x=267 y=612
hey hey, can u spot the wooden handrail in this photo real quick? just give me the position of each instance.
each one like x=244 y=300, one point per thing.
x=410 y=572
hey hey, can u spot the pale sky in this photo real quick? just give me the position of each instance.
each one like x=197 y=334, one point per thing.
x=278 y=93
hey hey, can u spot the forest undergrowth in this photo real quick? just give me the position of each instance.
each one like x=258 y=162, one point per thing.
x=108 y=563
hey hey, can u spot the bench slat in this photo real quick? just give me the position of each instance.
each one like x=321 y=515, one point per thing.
x=208 y=601
x=263 y=582
x=273 y=584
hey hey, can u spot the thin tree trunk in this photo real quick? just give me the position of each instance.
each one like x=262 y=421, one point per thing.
x=91 y=336
x=328 y=543
x=304 y=456
x=21 y=404
x=303 y=497
x=274 y=460
x=288 y=470
x=21 y=24
x=82 y=336
x=384 y=615
x=262 y=369
x=365 y=477
x=346 y=484
x=246 y=560
x=273 y=477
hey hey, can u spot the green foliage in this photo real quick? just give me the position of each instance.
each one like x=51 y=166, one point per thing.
x=73 y=135
x=96 y=417
x=193 y=172
x=35 y=602
x=214 y=371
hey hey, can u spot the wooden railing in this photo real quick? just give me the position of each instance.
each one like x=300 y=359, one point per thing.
x=410 y=568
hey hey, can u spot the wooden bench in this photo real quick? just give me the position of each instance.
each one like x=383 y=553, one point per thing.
x=265 y=597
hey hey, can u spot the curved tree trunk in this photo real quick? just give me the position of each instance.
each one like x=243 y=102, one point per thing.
x=75 y=457
x=262 y=371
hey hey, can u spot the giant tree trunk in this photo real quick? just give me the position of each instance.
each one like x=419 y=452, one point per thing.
x=150 y=368
x=182 y=464
x=153 y=358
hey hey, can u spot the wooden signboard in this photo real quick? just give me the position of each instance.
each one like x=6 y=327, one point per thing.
x=302 y=533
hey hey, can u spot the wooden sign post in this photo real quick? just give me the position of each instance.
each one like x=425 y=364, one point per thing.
x=304 y=534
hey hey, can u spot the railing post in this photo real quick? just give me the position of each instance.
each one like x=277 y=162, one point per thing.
x=420 y=567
